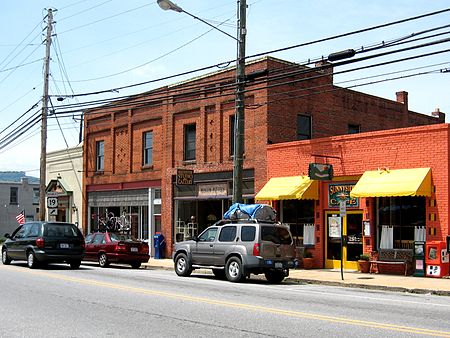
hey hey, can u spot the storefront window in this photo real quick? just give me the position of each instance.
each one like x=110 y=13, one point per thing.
x=397 y=217
x=297 y=213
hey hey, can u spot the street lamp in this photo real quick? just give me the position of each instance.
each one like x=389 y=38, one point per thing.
x=238 y=151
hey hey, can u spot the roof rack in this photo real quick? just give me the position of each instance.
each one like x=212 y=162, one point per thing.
x=237 y=221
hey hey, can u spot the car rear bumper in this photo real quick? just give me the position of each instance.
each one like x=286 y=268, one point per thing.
x=57 y=257
x=127 y=258
x=256 y=262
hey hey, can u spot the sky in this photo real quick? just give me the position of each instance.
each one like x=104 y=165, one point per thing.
x=102 y=45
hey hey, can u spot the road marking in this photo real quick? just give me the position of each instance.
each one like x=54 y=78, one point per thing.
x=249 y=307
x=301 y=290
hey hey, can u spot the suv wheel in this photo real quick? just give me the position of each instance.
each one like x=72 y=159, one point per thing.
x=182 y=266
x=5 y=258
x=274 y=276
x=103 y=260
x=233 y=270
x=31 y=260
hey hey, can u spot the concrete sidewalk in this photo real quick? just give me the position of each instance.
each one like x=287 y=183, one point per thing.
x=424 y=285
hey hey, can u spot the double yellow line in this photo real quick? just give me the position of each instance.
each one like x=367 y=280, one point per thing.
x=255 y=308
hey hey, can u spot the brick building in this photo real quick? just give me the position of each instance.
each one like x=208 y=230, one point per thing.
x=394 y=179
x=134 y=149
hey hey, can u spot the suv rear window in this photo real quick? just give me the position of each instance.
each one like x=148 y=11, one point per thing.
x=277 y=235
x=57 y=230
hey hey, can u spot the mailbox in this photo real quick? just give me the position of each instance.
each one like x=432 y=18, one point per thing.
x=436 y=259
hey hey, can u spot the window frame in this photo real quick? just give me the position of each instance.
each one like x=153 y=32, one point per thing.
x=190 y=142
x=100 y=156
x=14 y=195
x=300 y=132
x=147 y=149
x=353 y=128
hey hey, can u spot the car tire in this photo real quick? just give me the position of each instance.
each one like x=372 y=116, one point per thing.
x=135 y=265
x=5 y=258
x=219 y=273
x=31 y=260
x=75 y=264
x=233 y=270
x=182 y=266
x=274 y=276
x=103 y=260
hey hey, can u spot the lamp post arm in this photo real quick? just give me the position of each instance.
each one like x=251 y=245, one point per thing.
x=210 y=25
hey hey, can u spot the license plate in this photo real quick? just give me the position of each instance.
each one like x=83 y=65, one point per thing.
x=64 y=246
x=134 y=249
x=278 y=265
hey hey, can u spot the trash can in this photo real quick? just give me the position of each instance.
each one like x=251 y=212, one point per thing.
x=159 y=245
x=419 y=259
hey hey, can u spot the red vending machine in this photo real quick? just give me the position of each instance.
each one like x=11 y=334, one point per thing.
x=437 y=259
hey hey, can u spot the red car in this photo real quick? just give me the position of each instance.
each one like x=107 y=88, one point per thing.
x=110 y=247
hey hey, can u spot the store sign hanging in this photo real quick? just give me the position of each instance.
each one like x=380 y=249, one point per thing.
x=341 y=191
x=212 y=190
x=320 y=171
x=185 y=177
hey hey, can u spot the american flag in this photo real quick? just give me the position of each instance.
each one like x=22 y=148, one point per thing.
x=21 y=217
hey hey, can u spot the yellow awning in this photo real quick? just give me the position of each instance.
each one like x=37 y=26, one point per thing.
x=289 y=188
x=388 y=183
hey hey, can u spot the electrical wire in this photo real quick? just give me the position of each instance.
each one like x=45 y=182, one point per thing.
x=266 y=53
x=298 y=71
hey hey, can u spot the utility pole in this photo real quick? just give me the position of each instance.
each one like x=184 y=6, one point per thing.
x=239 y=120
x=42 y=179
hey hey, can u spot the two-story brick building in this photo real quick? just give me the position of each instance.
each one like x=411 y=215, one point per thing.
x=134 y=148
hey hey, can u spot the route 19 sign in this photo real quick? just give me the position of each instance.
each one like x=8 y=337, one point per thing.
x=52 y=202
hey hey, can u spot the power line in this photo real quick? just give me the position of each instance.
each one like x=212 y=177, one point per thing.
x=268 y=52
x=297 y=71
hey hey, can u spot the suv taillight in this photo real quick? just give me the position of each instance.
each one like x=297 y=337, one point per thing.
x=40 y=243
x=256 y=249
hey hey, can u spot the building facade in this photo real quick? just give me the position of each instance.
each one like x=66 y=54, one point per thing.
x=162 y=161
x=64 y=175
x=394 y=183
x=18 y=194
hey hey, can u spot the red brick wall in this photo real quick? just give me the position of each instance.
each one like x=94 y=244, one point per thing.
x=417 y=147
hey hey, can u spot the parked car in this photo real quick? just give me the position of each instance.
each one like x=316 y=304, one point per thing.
x=236 y=248
x=44 y=242
x=110 y=247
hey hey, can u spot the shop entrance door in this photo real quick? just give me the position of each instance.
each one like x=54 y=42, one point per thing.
x=352 y=229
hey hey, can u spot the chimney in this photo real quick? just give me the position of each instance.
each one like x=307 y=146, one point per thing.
x=325 y=67
x=402 y=97
x=440 y=115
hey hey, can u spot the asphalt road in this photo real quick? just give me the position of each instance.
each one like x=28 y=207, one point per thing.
x=122 y=302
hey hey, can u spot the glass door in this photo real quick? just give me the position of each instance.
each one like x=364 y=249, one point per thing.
x=352 y=228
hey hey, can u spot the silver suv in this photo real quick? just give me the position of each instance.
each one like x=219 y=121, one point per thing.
x=236 y=248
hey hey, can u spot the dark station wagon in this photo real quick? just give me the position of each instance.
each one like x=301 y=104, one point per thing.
x=44 y=242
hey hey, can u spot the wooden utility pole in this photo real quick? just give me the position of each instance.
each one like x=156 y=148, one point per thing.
x=239 y=127
x=42 y=179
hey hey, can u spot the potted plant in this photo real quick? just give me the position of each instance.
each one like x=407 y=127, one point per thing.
x=364 y=263
x=308 y=260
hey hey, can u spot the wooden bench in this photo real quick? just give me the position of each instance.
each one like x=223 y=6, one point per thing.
x=392 y=257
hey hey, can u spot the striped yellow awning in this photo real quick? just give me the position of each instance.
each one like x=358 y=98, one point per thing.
x=389 y=183
x=289 y=188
